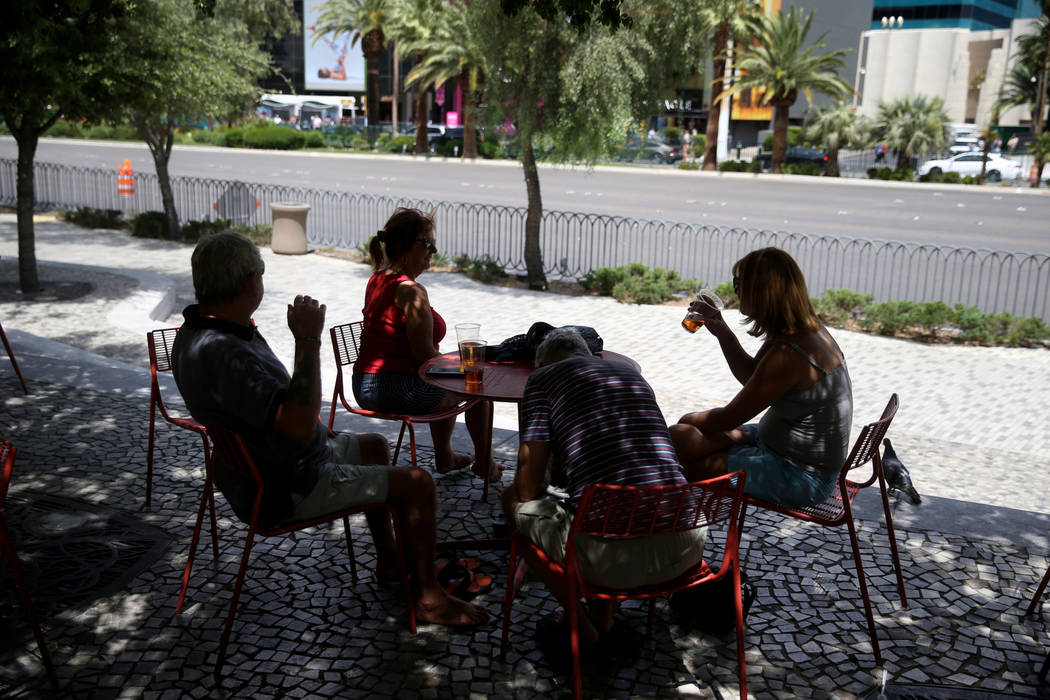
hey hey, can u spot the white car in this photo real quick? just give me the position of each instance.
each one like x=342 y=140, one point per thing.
x=966 y=144
x=998 y=168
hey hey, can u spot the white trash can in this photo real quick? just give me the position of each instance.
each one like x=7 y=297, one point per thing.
x=289 y=228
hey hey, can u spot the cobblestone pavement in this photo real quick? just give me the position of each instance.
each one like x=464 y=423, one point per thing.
x=973 y=552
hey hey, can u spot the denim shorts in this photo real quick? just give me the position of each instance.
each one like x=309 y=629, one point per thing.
x=392 y=392
x=773 y=478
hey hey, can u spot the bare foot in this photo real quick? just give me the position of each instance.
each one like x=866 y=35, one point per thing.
x=457 y=460
x=440 y=608
x=495 y=470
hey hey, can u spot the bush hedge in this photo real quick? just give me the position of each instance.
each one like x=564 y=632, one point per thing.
x=150 y=224
x=904 y=174
x=89 y=217
x=265 y=135
x=637 y=283
x=484 y=269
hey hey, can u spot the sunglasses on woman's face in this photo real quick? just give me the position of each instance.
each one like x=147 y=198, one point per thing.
x=429 y=242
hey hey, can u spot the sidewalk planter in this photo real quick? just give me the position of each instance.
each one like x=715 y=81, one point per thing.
x=289 y=228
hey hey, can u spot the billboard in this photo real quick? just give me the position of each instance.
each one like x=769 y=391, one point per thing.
x=330 y=63
x=747 y=105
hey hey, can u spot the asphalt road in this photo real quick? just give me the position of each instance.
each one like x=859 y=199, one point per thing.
x=996 y=217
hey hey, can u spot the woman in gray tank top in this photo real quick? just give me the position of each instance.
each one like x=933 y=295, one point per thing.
x=794 y=453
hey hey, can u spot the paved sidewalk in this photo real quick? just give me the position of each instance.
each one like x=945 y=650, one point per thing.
x=972 y=428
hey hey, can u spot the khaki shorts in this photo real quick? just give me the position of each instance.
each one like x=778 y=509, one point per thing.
x=343 y=482
x=609 y=562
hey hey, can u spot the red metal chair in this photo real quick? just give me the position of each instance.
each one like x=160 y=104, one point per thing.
x=837 y=509
x=11 y=355
x=630 y=512
x=346 y=342
x=1038 y=593
x=231 y=450
x=7 y=547
x=159 y=342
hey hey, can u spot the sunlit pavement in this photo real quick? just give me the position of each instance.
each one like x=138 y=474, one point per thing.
x=105 y=572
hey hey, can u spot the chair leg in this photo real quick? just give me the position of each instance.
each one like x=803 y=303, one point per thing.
x=211 y=499
x=513 y=581
x=1038 y=593
x=893 y=539
x=411 y=442
x=863 y=587
x=350 y=548
x=14 y=362
x=1044 y=668
x=574 y=638
x=206 y=495
x=224 y=641
x=741 y=662
x=23 y=592
x=149 y=448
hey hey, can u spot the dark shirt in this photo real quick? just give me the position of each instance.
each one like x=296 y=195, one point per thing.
x=602 y=424
x=229 y=377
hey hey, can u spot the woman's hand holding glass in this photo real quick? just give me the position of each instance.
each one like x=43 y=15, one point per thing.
x=706 y=306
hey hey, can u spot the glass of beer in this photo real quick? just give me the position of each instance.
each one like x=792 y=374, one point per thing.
x=472 y=355
x=466 y=332
x=693 y=320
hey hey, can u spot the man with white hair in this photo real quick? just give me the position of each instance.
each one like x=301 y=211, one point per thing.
x=592 y=421
x=229 y=377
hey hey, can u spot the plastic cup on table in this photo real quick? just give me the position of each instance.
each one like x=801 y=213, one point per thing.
x=466 y=332
x=693 y=321
x=472 y=355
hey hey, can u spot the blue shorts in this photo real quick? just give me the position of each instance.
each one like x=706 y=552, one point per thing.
x=773 y=478
x=390 y=392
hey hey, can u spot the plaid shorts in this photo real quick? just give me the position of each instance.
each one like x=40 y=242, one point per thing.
x=391 y=392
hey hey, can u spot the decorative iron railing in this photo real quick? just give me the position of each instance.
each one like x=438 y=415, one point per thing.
x=576 y=243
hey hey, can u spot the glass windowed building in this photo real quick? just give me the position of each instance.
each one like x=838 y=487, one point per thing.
x=957 y=14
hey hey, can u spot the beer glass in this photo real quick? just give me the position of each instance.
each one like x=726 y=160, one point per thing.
x=693 y=320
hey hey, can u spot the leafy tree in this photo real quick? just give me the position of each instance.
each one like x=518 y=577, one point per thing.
x=54 y=57
x=731 y=20
x=1040 y=148
x=366 y=21
x=781 y=65
x=411 y=23
x=578 y=12
x=910 y=125
x=836 y=126
x=578 y=90
x=166 y=84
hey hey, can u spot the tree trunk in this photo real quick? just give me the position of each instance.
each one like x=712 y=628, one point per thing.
x=533 y=254
x=470 y=134
x=833 y=162
x=715 y=109
x=1040 y=107
x=984 y=158
x=421 y=118
x=780 y=133
x=372 y=97
x=159 y=136
x=27 y=138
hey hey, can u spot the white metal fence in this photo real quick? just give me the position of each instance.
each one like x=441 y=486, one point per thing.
x=576 y=243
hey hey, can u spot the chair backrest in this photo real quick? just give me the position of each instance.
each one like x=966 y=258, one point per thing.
x=346 y=342
x=866 y=447
x=613 y=511
x=7 y=463
x=160 y=342
x=234 y=455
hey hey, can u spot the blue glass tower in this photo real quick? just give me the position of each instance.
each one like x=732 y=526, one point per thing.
x=965 y=14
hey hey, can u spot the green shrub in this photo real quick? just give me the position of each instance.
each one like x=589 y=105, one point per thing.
x=453 y=148
x=125 y=132
x=636 y=283
x=803 y=169
x=794 y=138
x=728 y=295
x=732 y=166
x=973 y=324
x=932 y=177
x=260 y=234
x=273 y=137
x=314 y=139
x=932 y=316
x=402 y=144
x=99 y=132
x=489 y=150
x=89 y=217
x=485 y=270
x=359 y=142
x=1027 y=331
x=903 y=175
x=193 y=230
x=836 y=306
x=688 y=165
x=754 y=166
x=951 y=178
x=888 y=318
x=670 y=133
x=150 y=224
x=699 y=145
x=67 y=129
x=461 y=262
x=235 y=137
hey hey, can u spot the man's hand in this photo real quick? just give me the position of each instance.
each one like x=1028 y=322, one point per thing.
x=306 y=317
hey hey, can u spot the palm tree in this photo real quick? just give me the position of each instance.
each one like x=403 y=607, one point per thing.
x=780 y=65
x=365 y=20
x=448 y=53
x=731 y=19
x=411 y=23
x=836 y=126
x=910 y=125
x=1040 y=148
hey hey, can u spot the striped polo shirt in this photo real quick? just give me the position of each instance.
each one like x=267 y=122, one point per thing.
x=602 y=424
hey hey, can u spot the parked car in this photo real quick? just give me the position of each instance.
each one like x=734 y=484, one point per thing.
x=451 y=133
x=796 y=155
x=998 y=168
x=651 y=150
x=966 y=144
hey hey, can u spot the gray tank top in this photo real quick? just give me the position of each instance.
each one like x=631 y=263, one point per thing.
x=810 y=427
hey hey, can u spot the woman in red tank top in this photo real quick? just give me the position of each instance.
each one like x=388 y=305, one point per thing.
x=401 y=331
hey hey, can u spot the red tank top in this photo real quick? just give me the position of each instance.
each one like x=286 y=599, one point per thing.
x=384 y=336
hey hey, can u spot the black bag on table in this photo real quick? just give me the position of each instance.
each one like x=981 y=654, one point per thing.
x=710 y=607
x=522 y=347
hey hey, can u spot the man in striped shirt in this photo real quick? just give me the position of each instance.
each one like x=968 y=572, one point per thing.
x=591 y=421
